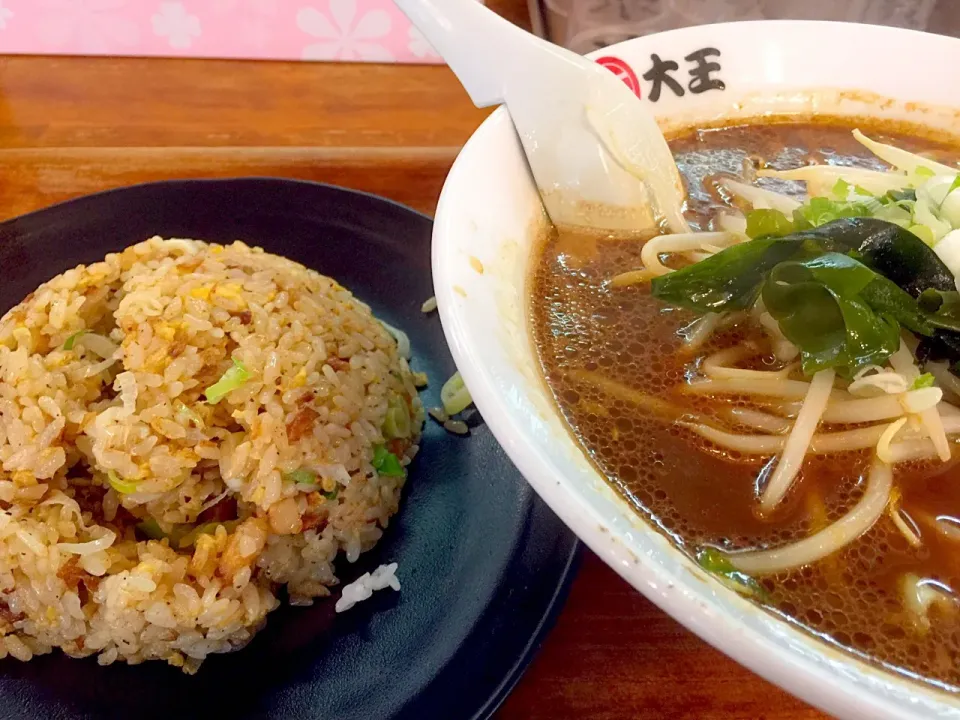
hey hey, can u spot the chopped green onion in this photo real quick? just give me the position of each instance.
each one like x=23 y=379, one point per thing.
x=924 y=381
x=151 y=528
x=183 y=535
x=925 y=233
x=396 y=424
x=953 y=186
x=386 y=463
x=124 y=487
x=718 y=565
x=98 y=344
x=209 y=528
x=841 y=190
x=228 y=382
x=820 y=210
x=72 y=340
x=894 y=197
x=403 y=341
x=190 y=415
x=454 y=395
x=301 y=476
x=897 y=213
x=766 y=222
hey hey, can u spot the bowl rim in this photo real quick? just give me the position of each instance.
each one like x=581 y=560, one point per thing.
x=844 y=683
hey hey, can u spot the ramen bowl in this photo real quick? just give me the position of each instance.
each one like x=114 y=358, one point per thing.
x=486 y=233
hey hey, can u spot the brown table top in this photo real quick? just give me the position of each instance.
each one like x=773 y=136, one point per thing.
x=70 y=126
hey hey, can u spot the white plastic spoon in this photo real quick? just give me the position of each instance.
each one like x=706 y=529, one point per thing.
x=597 y=155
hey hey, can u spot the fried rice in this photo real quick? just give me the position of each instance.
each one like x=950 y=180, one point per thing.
x=185 y=428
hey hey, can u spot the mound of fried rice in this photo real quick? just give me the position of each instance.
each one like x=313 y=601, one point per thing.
x=184 y=428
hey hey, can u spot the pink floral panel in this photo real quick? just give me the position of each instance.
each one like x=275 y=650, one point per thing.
x=348 y=30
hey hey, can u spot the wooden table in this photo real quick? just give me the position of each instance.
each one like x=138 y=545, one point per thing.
x=74 y=126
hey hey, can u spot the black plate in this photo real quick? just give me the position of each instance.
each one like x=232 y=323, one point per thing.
x=483 y=563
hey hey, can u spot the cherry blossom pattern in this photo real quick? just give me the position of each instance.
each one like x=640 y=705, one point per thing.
x=88 y=26
x=418 y=44
x=253 y=7
x=347 y=37
x=251 y=19
x=5 y=15
x=173 y=22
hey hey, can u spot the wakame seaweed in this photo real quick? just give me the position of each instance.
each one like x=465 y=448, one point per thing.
x=843 y=312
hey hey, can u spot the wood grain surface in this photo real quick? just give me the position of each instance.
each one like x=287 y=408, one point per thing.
x=71 y=126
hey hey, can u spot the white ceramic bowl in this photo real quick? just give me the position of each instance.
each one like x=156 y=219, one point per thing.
x=489 y=210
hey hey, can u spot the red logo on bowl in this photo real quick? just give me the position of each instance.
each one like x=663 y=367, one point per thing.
x=623 y=71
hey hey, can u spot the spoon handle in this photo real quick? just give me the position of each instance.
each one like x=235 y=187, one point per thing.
x=481 y=48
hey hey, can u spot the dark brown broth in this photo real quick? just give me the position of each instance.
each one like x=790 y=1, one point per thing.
x=700 y=495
